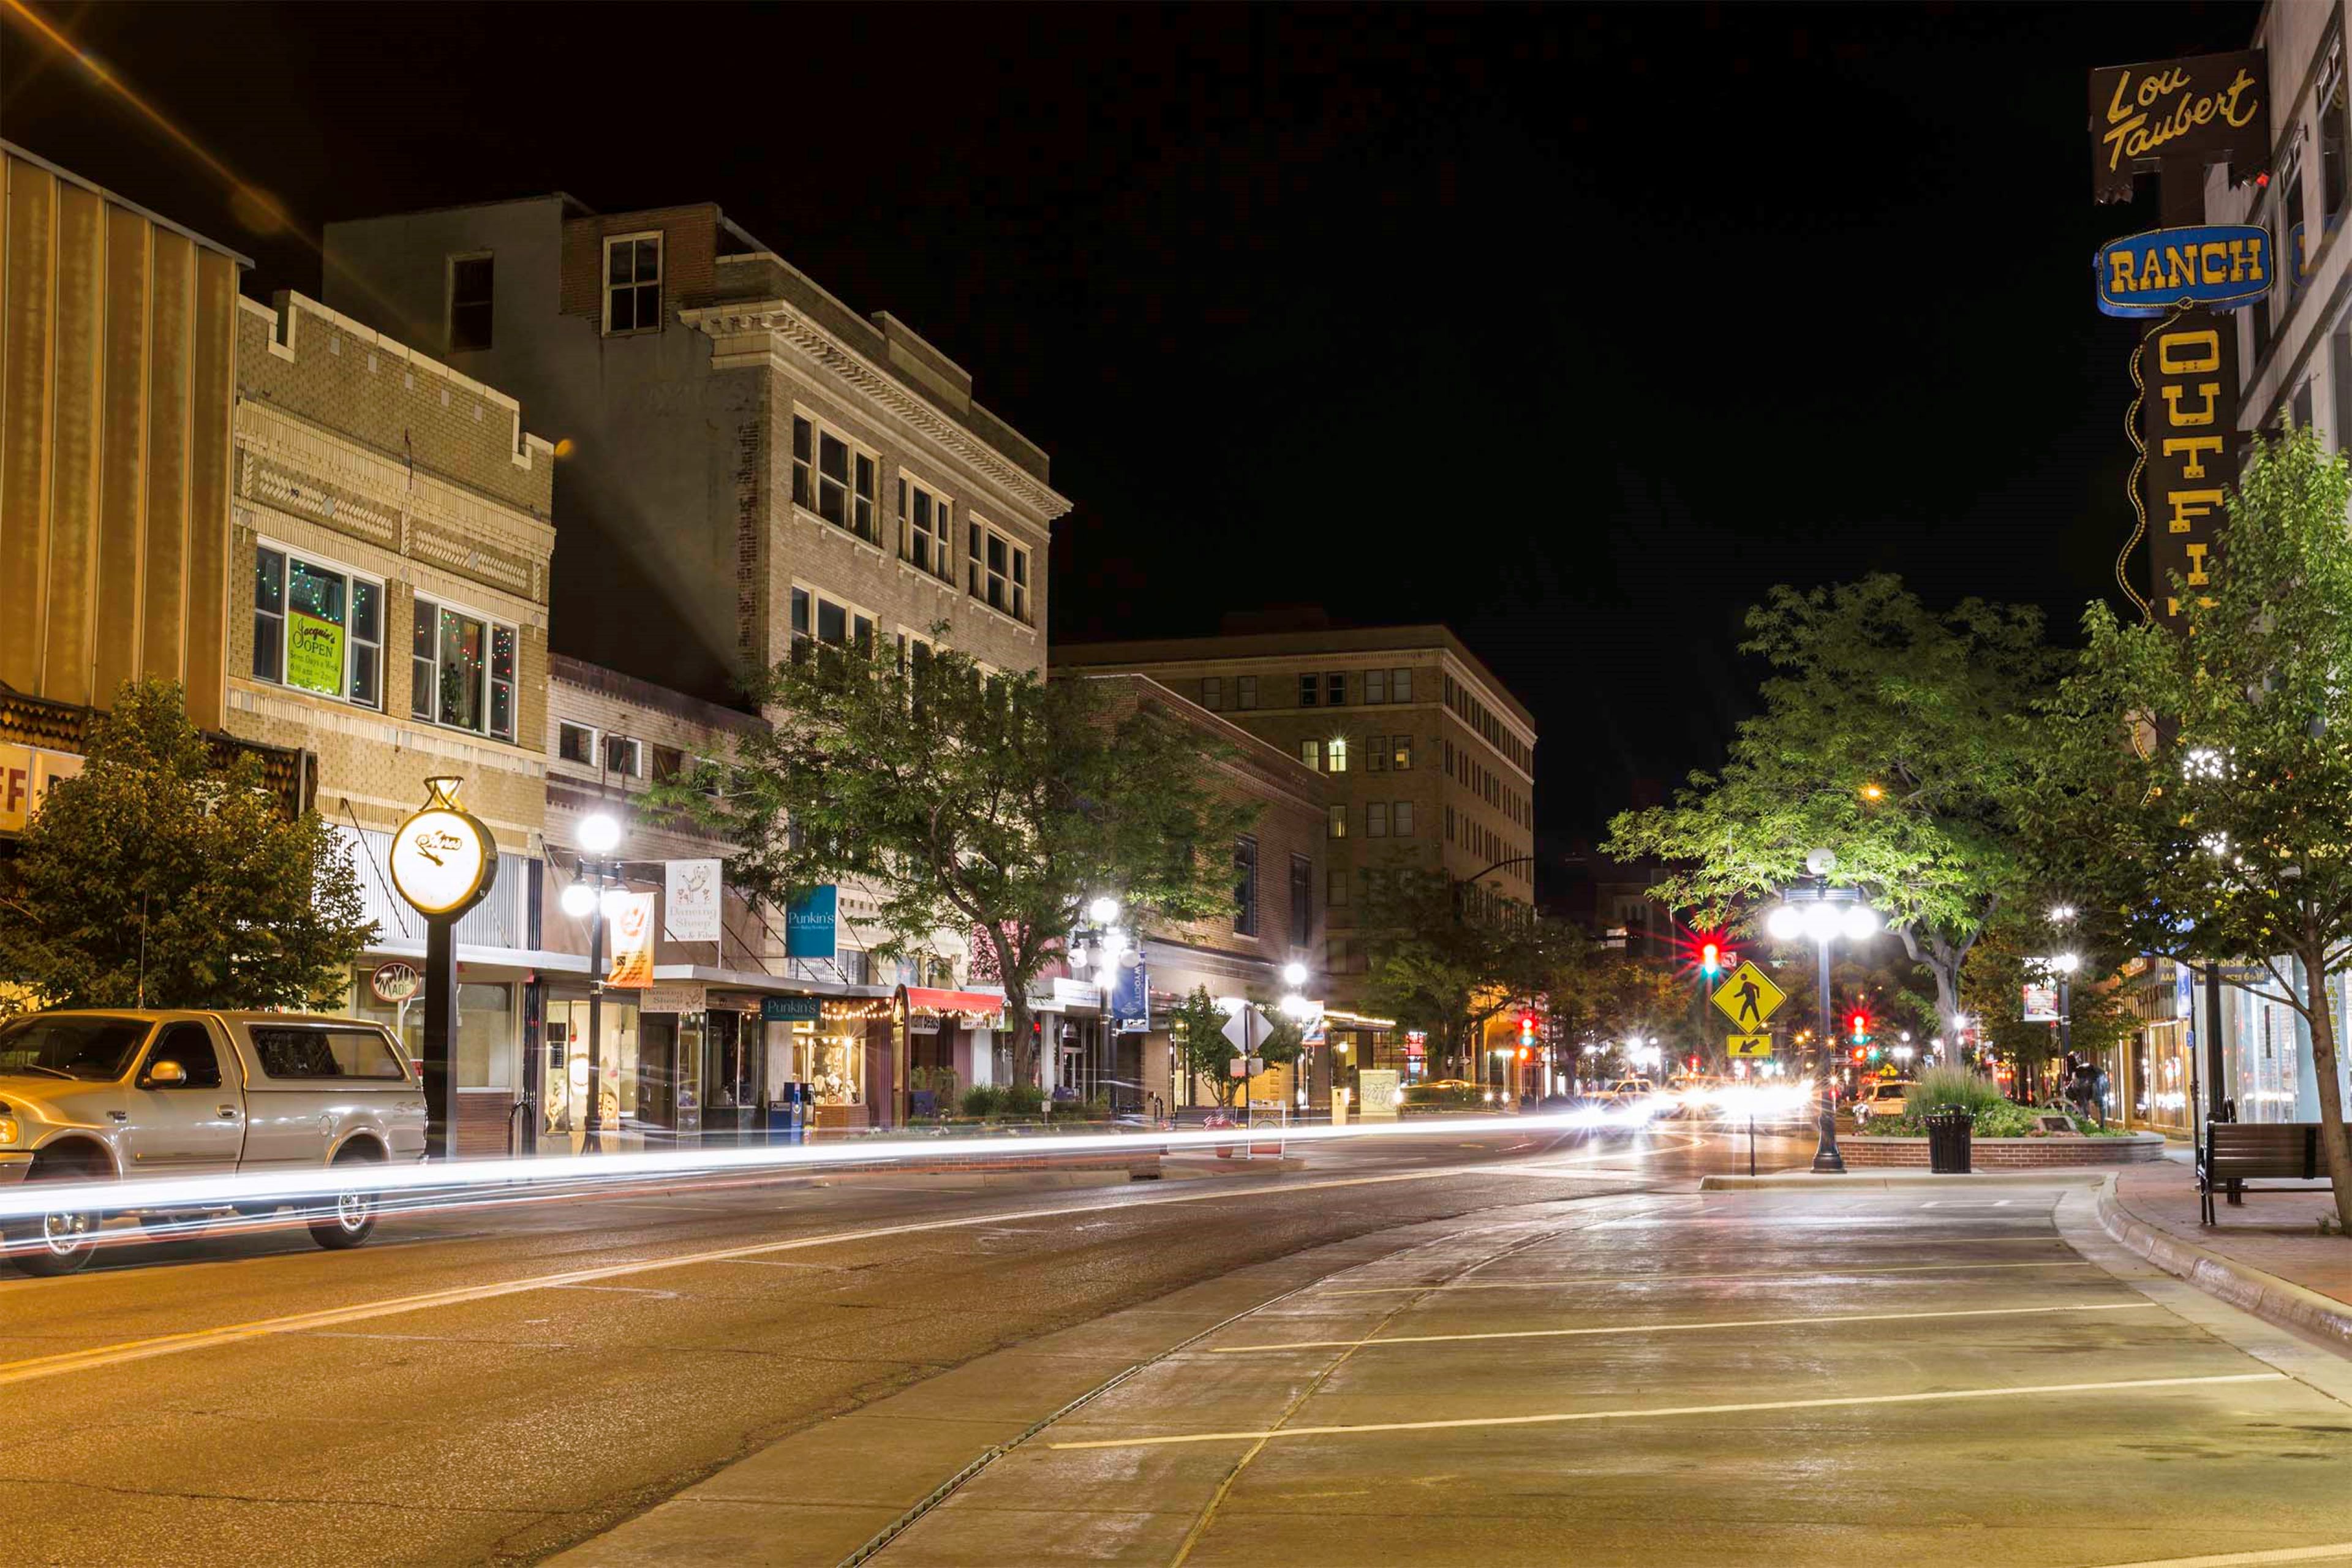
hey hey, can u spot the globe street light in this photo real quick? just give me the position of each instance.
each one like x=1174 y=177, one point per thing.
x=1103 y=911
x=1821 y=914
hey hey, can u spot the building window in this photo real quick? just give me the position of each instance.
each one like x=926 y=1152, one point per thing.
x=1376 y=755
x=669 y=763
x=1449 y=825
x=632 y=267
x=1335 y=754
x=1213 y=693
x=1400 y=753
x=1335 y=888
x=1245 y=886
x=1302 y=899
x=1402 y=817
x=624 y=756
x=2331 y=100
x=1335 y=954
x=1376 y=819
x=1376 y=686
x=833 y=479
x=1311 y=754
x=1338 y=822
x=469 y=302
x=462 y=670
x=927 y=544
x=834 y=623
x=1246 y=692
x=316 y=627
x=1335 y=690
x=1309 y=688
x=575 y=743
x=1400 y=685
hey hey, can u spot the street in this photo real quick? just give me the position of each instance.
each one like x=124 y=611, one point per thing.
x=1417 y=1349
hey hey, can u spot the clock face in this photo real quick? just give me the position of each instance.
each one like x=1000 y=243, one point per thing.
x=442 y=861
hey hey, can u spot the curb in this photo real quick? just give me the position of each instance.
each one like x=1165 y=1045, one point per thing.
x=2241 y=1285
x=2056 y=1175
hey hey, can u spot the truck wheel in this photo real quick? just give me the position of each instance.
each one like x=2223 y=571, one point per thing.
x=351 y=1218
x=55 y=1244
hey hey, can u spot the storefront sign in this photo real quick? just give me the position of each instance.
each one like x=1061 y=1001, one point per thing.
x=26 y=773
x=1069 y=993
x=788 y=1009
x=2040 y=1003
x=395 y=982
x=632 y=942
x=443 y=858
x=811 y=923
x=2224 y=266
x=674 y=996
x=2208 y=108
x=314 y=654
x=2188 y=425
x=690 y=893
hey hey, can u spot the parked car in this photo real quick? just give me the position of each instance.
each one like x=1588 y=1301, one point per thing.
x=1881 y=1098
x=101 y=1096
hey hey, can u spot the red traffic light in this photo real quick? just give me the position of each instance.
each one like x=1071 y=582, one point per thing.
x=1710 y=956
x=1860 y=1053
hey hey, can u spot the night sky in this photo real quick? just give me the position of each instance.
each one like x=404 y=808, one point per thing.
x=1575 y=329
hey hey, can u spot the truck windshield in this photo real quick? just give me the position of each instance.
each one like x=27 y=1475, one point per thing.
x=57 y=1046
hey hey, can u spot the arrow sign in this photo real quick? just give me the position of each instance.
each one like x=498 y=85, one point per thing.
x=1748 y=1045
x=1749 y=997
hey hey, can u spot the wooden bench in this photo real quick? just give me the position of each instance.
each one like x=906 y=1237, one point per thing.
x=2236 y=1152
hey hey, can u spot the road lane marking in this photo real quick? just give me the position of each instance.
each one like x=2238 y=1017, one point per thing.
x=65 y=1361
x=1828 y=1271
x=2250 y=1559
x=1687 y=1328
x=1553 y=1418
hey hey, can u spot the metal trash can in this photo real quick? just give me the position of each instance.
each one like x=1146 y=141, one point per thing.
x=1949 y=1129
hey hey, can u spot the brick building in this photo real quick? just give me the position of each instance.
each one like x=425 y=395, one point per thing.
x=1428 y=761
x=389 y=545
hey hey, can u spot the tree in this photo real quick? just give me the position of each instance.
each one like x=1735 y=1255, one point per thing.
x=1197 y=1026
x=1597 y=995
x=2012 y=953
x=1445 y=959
x=988 y=805
x=2198 y=785
x=160 y=878
x=1890 y=736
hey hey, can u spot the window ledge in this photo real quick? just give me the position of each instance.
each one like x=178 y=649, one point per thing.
x=944 y=584
x=986 y=608
x=829 y=526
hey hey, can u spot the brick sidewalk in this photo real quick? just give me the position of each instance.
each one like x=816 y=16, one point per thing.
x=2277 y=1232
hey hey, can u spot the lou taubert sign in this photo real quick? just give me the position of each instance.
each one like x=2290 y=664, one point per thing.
x=2207 y=108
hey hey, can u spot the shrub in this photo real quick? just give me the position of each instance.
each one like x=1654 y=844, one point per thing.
x=982 y=1100
x=1021 y=1100
x=1971 y=1091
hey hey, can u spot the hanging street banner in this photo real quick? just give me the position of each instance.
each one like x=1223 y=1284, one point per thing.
x=1747 y=1046
x=690 y=893
x=1748 y=997
x=1130 y=996
x=2040 y=1003
x=2188 y=437
x=811 y=923
x=2189 y=113
x=2225 y=267
x=632 y=942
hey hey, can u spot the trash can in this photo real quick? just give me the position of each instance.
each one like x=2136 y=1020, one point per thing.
x=1948 y=1127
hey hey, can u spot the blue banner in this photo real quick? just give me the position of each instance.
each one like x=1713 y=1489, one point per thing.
x=2219 y=265
x=811 y=924
x=1131 y=994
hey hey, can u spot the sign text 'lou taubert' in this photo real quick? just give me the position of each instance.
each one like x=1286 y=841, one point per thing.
x=2207 y=108
x=2219 y=266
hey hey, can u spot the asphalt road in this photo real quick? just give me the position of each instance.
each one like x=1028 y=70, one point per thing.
x=498 y=1384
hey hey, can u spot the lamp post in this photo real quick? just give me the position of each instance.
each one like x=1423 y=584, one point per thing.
x=1823 y=913
x=595 y=890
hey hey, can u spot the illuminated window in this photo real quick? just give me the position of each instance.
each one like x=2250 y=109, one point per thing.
x=1400 y=753
x=1335 y=754
x=462 y=670
x=316 y=627
x=633 y=282
x=1339 y=820
x=1311 y=754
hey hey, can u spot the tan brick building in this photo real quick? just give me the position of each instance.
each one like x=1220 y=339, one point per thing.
x=389 y=549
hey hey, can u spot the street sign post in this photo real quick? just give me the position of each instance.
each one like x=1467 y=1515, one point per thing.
x=1748 y=998
x=1747 y=1046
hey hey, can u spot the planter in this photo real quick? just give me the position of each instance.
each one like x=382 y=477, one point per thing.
x=2008 y=1154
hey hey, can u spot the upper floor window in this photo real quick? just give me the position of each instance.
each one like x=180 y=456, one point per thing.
x=1335 y=755
x=469 y=302
x=833 y=479
x=1212 y=692
x=1376 y=755
x=1402 y=817
x=1335 y=690
x=824 y=620
x=668 y=762
x=1311 y=754
x=1309 y=688
x=633 y=282
x=1376 y=686
x=462 y=669
x=1400 y=685
x=1339 y=820
x=923 y=519
x=1245 y=886
x=1000 y=571
x=575 y=743
x=624 y=756
x=2331 y=100
x=1376 y=820
x=316 y=627
x=1246 y=692
x=1400 y=753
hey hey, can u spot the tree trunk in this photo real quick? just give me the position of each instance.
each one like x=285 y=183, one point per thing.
x=1024 y=1048
x=1942 y=960
x=2335 y=1155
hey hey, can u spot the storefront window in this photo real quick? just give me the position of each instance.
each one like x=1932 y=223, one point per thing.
x=832 y=1055
x=485 y=1047
x=567 y=1061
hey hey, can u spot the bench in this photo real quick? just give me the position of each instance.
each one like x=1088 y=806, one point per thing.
x=2236 y=1152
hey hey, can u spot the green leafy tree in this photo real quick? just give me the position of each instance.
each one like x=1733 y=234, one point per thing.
x=2198 y=786
x=988 y=805
x=1890 y=736
x=161 y=877
x=1597 y=995
x=2015 y=952
x=1448 y=959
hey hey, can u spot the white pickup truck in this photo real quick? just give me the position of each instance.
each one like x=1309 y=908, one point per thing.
x=103 y=1096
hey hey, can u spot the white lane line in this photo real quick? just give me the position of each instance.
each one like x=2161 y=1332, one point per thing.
x=2250 y=1559
x=66 y=1362
x=1558 y=1417
x=1688 y=1328
x=1827 y=1271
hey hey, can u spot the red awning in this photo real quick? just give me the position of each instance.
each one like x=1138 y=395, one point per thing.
x=920 y=999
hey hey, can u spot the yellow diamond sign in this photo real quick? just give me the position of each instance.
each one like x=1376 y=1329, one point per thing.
x=1749 y=997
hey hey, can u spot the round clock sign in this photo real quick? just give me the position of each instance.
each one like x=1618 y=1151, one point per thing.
x=443 y=858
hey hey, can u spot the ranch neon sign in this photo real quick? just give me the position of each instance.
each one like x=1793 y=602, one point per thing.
x=2222 y=267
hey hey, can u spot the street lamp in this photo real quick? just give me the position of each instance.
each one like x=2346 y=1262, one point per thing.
x=599 y=887
x=1104 y=911
x=1821 y=914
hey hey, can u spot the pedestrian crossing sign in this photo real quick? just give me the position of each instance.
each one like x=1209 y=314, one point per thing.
x=1749 y=997
x=1748 y=1045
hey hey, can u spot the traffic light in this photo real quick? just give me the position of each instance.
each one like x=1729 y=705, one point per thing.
x=1710 y=959
x=1861 y=1022
x=1526 y=1031
x=1859 y=1053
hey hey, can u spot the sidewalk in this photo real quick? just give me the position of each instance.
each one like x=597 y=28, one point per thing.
x=2266 y=1254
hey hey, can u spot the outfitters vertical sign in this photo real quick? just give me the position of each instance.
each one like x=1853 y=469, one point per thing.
x=2187 y=420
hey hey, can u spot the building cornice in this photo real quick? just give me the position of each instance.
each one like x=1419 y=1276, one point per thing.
x=781 y=320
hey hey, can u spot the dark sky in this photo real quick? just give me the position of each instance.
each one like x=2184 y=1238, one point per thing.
x=1574 y=328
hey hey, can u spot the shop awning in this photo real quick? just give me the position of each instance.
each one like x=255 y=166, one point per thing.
x=922 y=999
